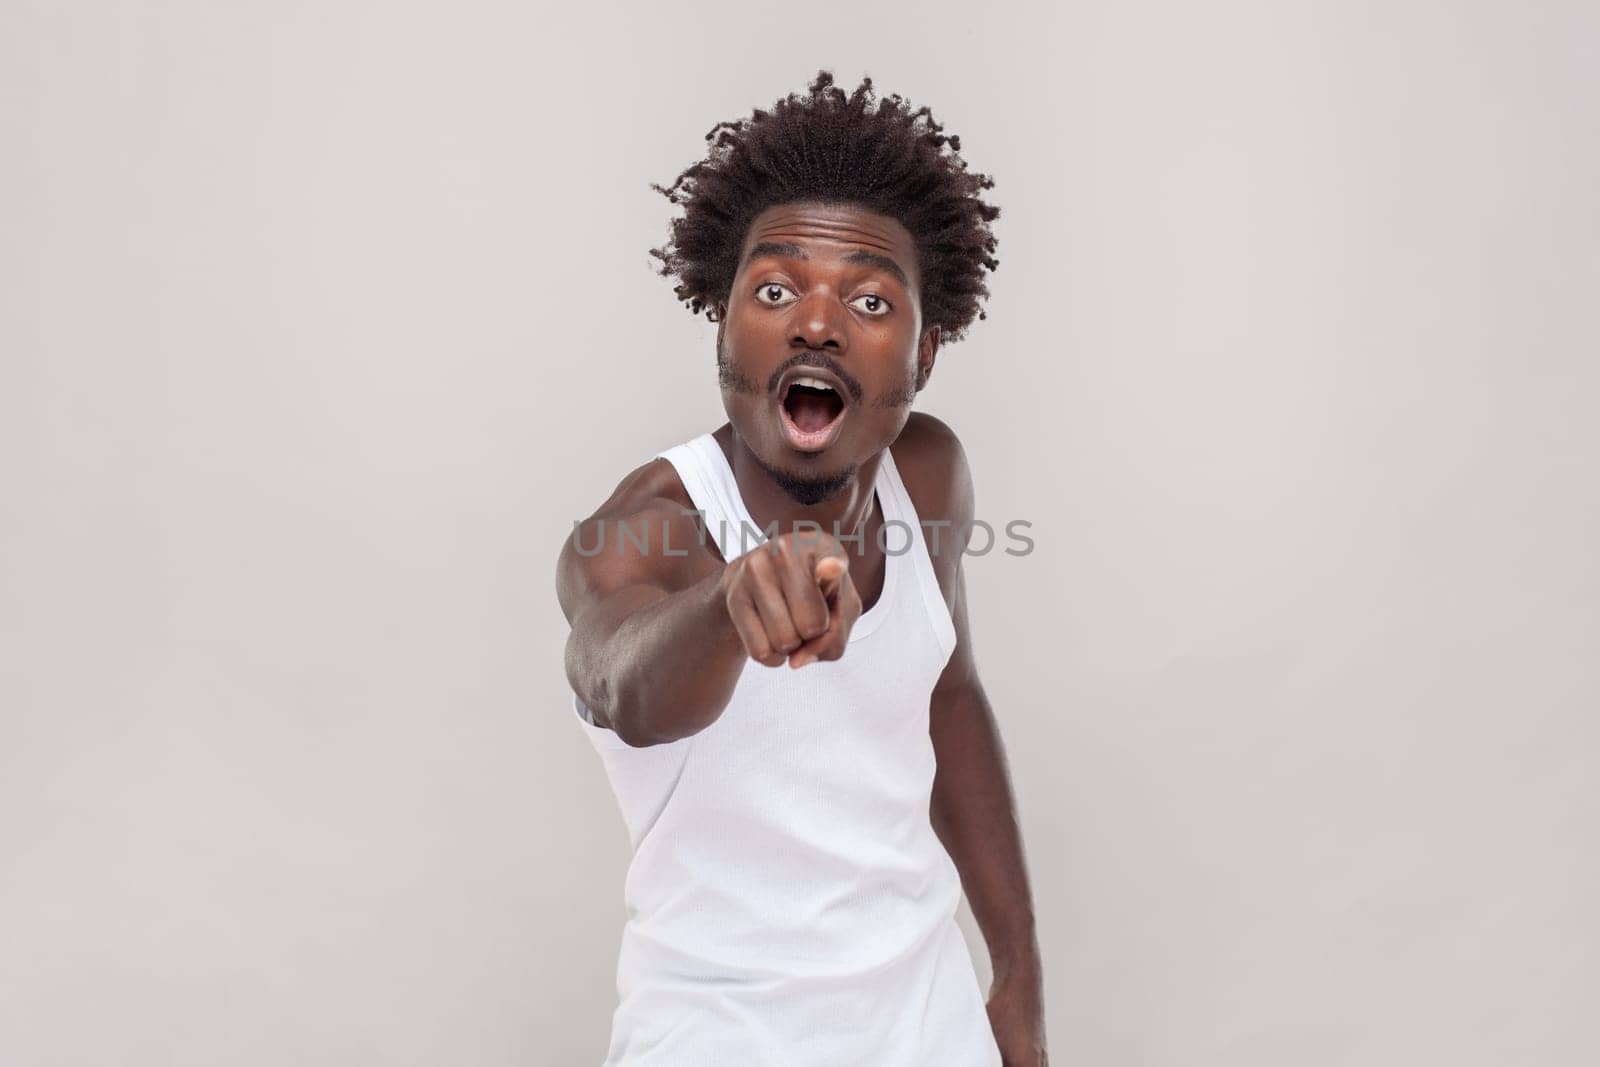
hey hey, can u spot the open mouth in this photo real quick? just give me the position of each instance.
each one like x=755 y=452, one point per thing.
x=812 y=411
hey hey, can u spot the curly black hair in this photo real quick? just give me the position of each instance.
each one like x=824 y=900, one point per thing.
x=829 y=147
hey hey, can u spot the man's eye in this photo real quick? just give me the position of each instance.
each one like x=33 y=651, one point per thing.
x=872 y=304
x=771 y=294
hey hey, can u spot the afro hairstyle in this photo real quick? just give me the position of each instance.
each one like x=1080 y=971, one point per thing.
x=832 y=147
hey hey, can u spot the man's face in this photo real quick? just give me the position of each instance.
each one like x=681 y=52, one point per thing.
x=826 y=294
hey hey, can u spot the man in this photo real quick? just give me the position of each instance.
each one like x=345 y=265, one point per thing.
x=769 y=644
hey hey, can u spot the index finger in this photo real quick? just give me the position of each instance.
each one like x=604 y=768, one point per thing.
x=829 y=572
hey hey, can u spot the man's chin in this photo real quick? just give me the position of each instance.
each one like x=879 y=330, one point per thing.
x=805 y=477
x=808 y=485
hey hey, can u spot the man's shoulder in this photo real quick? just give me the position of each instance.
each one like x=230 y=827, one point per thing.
x=652 y=486
x=625 y=540
x=933 y=465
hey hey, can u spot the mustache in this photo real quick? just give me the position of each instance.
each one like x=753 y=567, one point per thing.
x=815 y=359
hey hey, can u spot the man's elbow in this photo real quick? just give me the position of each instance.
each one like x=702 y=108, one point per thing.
x=636 y=712
x=626 y=715
x=631 y=696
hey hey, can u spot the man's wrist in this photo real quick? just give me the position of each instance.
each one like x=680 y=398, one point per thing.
x=1017 y=964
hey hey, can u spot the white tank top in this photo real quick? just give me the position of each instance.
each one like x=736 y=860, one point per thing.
x=788 y=902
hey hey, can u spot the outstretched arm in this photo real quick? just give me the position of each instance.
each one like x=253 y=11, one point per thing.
x=660 y=638
x=647 y=622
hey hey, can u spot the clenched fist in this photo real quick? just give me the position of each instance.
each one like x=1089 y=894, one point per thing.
x=792 y=598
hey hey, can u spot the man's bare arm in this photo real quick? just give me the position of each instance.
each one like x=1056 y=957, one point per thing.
x=973 y=809
x=652 y=652
x=661 y=635
x=974 y=813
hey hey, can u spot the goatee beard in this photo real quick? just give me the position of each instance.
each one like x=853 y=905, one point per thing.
x=808 y=490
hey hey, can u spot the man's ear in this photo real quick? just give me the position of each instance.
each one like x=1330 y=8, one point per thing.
x=927 y=352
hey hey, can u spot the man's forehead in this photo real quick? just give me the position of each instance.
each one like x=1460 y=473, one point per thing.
x=851 y=229
x=843 y=224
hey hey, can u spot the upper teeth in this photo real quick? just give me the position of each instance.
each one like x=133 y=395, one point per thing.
x=814 y=383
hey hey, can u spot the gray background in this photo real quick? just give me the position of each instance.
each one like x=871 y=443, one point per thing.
x=321 y=322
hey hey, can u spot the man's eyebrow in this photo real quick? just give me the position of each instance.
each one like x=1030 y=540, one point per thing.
x=776 y=248
x=883 y=263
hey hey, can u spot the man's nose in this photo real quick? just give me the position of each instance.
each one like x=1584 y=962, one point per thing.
x=818 y=322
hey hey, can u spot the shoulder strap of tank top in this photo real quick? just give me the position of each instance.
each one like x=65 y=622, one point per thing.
x=898 y=506
x=703 y=468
